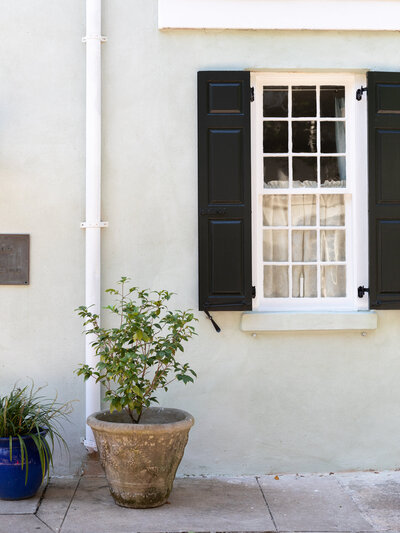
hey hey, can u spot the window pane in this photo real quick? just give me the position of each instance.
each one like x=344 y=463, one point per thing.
x=333 y=245
x=304 y=210
x=275 y=245
x=275 y=210
x=275 y=137
x=305 y=172
x=304 y=245
x=333 y=281
x=304 y=136
x=304 y=279
x=333 y=137
x=304 y=101
x=276 y=281
x=333 y=171
x=275 y=101
x=276 y=172
x=332 y=212
x=332 y=101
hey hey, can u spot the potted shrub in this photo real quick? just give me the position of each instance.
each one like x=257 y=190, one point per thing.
x=140 y=445
x=29 y=426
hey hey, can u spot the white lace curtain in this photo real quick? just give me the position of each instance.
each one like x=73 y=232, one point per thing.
x=304 y=245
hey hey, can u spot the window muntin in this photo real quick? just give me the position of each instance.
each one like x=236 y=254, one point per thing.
x=304 y=164
x=304 y=136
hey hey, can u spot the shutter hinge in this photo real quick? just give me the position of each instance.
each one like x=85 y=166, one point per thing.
x=360 y=91
x=251 y=94
x=253 y=292
x=362 y=290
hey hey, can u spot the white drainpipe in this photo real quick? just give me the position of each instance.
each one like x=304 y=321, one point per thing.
x=93 y=222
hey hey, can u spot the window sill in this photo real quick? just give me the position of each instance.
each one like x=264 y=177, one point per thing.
x=309 y=321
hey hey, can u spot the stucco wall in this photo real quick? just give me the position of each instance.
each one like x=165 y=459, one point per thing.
x=278 y=402
x=272 y=403
x=41 y=193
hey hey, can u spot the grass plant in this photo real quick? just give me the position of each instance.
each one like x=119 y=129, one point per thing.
x=26 y=412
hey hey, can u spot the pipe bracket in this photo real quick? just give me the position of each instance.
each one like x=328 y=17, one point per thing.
x=86 y=225
x=101 y=38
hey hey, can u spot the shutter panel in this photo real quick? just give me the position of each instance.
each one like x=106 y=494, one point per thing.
x=384 y=189
x=224 y=191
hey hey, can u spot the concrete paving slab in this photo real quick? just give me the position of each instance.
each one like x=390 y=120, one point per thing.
x=377 y=495
x=91 y=466
x=196 y=504
x=311 y=503
x=56 y=500
x=23 y=524
x=27 y=506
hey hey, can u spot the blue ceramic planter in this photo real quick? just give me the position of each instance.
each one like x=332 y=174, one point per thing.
x=12 y=476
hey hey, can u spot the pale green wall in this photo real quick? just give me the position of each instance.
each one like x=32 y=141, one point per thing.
x=42 y=193
x=277 y=402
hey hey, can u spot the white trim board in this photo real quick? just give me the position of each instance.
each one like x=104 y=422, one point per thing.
x=280 y=14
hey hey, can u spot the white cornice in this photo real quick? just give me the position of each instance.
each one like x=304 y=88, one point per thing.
x=378 y=15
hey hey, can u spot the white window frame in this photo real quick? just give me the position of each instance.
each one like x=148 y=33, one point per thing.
x=356 y=186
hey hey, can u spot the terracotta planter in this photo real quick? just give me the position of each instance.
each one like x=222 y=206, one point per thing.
x=140 y=460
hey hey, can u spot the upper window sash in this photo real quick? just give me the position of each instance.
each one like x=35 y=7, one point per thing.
x=259 y=80
x=280 y=14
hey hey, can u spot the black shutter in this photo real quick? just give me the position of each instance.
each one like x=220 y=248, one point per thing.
x=384 y=189
x=224 y=191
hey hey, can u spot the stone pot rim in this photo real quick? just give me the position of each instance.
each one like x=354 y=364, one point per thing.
x=122 y=427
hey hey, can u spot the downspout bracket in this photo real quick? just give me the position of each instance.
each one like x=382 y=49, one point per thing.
x=101 y=38
x=86 y=225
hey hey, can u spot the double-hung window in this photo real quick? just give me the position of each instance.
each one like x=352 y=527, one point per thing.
x=296 y=210
x=304 y=179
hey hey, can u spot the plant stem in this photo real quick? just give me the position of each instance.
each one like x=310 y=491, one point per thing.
x=130 y=413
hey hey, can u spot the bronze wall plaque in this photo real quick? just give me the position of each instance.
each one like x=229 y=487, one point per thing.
x=14 y=259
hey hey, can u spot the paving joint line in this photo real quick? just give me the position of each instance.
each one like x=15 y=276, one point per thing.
x=70 y=503
x=43 y=522
x=266 y=503
x=349 y=493
x=17 y=514
x=42 y=497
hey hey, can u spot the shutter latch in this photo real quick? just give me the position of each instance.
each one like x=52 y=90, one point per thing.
x=251 y=94
x=253 y=292
x=362 y=290
x=217 y=328
x=360 y=91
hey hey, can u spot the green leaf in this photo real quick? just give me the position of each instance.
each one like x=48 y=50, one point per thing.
x=138 y=335
x=137 y=391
